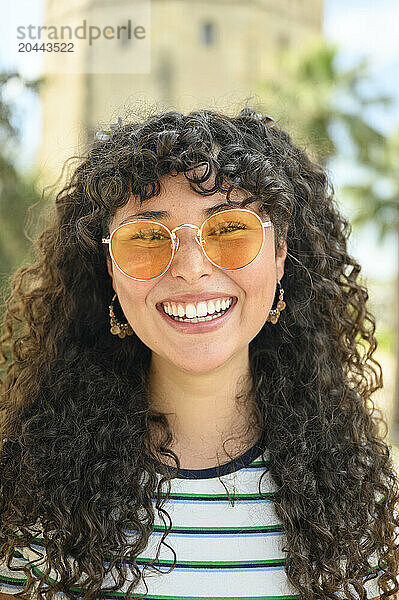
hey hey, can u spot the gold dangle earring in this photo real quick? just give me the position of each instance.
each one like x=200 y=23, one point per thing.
x=274 y=314
x=117 y=328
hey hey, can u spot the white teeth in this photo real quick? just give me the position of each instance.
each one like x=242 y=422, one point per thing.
x=192 y=311
x=211 y=307
x=202 y=309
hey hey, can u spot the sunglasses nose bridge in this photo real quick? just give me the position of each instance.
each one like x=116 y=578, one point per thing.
x=176 y=238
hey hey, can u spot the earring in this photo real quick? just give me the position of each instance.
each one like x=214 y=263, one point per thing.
x=117 y=328
x=274 y=315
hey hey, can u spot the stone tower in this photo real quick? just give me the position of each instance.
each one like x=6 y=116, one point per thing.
x=202 y=54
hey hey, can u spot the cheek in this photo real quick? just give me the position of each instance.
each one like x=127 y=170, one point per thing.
x=132 y=297
x=258 y=282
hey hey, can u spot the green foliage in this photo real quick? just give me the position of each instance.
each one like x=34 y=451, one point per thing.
x=377 y=197
x=386 y=340
x=312 y=96
x=315 y=98
x=18 y=190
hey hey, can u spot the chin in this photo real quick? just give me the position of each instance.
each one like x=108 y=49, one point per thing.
x=200 y=364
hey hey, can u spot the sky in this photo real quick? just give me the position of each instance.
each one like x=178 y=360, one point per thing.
x=361 y=28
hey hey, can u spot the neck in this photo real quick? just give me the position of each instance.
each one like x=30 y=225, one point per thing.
x=205 y=409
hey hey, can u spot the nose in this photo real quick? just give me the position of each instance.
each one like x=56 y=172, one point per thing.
x=189 y=260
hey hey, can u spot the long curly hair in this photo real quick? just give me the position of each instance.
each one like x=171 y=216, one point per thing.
x=75 y=402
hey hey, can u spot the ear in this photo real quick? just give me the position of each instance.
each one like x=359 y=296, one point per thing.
x=109 y=266
x=110 y=271
x=281 y=255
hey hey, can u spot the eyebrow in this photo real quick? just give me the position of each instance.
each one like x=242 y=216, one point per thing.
x=164 y=214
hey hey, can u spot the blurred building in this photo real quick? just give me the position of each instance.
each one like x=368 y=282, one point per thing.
x=203 y=54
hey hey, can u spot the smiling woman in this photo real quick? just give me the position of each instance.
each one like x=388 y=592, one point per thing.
x=193 y=342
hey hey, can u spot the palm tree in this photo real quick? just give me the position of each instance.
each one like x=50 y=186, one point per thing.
x=325 y=107
x=316 y=99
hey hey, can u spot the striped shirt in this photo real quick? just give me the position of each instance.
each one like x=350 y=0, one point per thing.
x=225 y=549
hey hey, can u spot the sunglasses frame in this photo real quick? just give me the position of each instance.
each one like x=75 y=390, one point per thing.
x=176 y=240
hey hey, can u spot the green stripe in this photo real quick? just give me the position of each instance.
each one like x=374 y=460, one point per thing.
x=254 y=529
x=189 y=496
x=8 y=578
x=217 y=563
x=160 y=528
x=12 y=580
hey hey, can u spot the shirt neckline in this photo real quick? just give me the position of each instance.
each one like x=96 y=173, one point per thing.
x=240 y=462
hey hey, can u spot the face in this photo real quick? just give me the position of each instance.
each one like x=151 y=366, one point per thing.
x=191 y=272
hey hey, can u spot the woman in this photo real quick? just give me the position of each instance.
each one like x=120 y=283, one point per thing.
x=186 y=413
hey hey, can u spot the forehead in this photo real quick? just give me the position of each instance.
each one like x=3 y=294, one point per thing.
x=177 y=200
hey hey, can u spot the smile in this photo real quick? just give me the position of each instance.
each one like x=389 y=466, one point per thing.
x=200 y=324
x=191 y=313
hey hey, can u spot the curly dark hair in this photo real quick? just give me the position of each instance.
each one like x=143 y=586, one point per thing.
x=76 y=415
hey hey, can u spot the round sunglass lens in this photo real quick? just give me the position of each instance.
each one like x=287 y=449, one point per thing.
x=142 y=249
x=232 y=239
